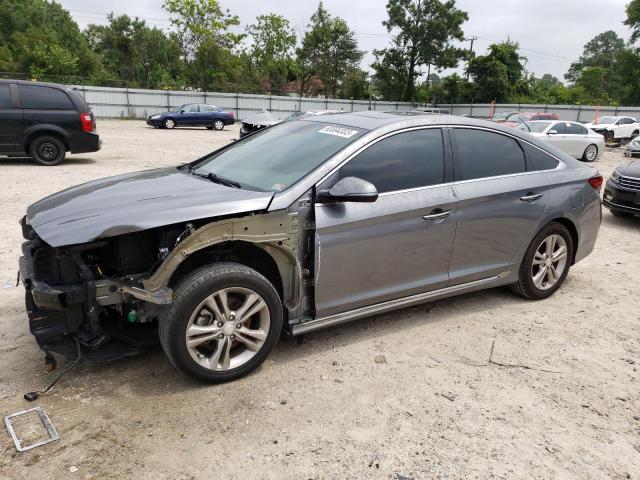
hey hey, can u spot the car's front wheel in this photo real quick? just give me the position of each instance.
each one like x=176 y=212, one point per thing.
x=218 y=124
x=169 y=123
x=590 y=153
x=546 y=263
x=224 y=320
x=47 y=150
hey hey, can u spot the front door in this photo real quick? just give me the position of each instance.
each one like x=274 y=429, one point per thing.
x=400 y=245
x=502 y=197
x=11 y=121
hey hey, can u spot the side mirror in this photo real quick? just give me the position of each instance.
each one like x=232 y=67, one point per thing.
x=349 y=189
x=552 y=132
x=181 y=112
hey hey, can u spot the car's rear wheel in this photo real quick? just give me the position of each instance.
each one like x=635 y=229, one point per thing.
x=218 y=124
x=47 y=150
x=590 y=153
x=224 y=320
x=546 y=264
x=169 y=123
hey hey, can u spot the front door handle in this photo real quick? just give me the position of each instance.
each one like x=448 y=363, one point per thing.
x=531 y=197
x=437 y=214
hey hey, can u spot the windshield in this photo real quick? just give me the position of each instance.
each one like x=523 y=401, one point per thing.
x=538 y=127
x=606 y=121
x=276 y=158
x=501 y=115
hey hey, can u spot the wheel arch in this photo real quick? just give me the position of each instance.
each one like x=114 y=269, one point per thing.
x=45 y=130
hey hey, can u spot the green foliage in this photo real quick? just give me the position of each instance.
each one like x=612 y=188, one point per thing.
x=42 y=39
x=136 y=54
x=424 y=32
x=355 y=85
x=270 y=55
x=498 y=76
x=633 y=19
x=329 y=50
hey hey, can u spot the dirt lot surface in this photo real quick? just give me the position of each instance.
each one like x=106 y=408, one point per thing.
x=404 y=395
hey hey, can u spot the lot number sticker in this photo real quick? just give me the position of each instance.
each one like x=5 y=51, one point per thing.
x=338 y=131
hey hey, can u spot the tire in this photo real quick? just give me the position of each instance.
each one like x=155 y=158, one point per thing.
x=47 y=150
x=218 y=125
x=590 y=153
x=526 y=286
x=169 y=123
x=191 y=311
x=634 y=134
x=618 y=213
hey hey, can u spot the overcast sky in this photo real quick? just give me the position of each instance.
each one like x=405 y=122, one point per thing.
x=551 y=33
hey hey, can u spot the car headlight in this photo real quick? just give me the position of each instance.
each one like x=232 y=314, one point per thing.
x=155 y=117
x=615 y=176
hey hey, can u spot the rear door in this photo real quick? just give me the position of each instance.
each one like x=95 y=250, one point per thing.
x=400 y=245
x=11 y=121
x=576 y=139
x=502 y=197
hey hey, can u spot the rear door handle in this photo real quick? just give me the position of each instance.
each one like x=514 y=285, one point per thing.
x=437 y=214
x=531 y=197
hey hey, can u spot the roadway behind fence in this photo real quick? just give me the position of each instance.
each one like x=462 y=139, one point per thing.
x=109 y=102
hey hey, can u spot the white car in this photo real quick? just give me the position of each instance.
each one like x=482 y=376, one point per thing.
x=616 y=128
x=570 y=137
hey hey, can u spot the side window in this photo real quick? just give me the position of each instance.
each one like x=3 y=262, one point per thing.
x=486 y=154
x=206 y=108
x=560 y=128
x=5 y=96
x=44 y=98
x=406 y=160
x=575 y=129
x=191 y=108
x=537 y=159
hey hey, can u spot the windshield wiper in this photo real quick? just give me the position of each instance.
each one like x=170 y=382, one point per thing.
x=221 y=180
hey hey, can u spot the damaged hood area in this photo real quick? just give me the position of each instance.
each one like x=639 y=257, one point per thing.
x=262 y=119
x=134 y=202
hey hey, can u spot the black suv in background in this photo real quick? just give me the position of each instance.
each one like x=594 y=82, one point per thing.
x=44 y=121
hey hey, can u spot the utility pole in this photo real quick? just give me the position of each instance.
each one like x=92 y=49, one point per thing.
x=472 y=39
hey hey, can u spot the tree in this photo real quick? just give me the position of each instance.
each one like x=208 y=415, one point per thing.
x=391 y=75
x=41 y=38
x=633 y=19
x=329 y=50
x=355 y=85
x=202 y=30
x=135 y=53
x=425 y=30
x=270 y=55
x=499 y=74
x=600 y=51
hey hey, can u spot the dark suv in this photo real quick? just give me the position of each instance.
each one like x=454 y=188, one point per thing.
x=44 y=121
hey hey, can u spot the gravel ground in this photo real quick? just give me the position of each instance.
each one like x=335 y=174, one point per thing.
x=409 y=394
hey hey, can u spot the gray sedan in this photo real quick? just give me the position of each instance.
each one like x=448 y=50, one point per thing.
x=305 y=225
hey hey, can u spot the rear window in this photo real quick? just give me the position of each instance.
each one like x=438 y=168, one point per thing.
x=37 y=97
x=5 y=96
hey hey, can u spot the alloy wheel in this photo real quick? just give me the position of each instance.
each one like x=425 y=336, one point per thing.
x=218 y=125
x=227 y=329
x=549 y=262
x=591 y=153
x=168 y=123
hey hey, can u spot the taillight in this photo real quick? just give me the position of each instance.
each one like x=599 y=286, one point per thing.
x=232 y=115
x=596 y=182
x=87 y=122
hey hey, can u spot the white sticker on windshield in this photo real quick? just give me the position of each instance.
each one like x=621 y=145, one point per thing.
x=278 y=187
x=338 y=131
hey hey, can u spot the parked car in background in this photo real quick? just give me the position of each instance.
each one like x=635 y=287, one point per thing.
x=633 y=148
x=442 y=111
x=501 y=116
x=193 y=115
x=570 y=137
x=308 y=224
x=265 y=119
x=513 y=119
x=622 y=191
x=44 y=121
x=616 y=129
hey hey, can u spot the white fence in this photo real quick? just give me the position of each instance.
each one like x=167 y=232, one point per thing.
x=138 y=103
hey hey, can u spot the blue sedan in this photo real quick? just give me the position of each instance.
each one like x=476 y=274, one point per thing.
x=193 y=115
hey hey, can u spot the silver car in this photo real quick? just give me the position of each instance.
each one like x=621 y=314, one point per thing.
x=305 y=225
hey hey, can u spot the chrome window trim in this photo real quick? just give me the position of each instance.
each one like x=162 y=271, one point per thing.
x=387 y=135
